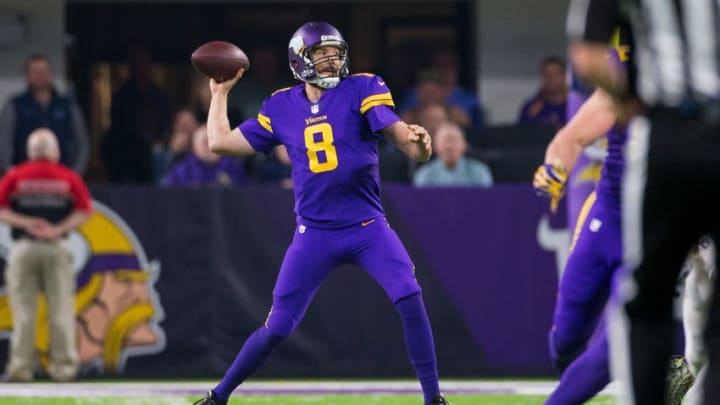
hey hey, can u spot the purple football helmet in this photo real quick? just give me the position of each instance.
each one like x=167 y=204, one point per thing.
x=312 y=35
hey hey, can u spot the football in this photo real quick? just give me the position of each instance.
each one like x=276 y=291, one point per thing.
x=219 y=60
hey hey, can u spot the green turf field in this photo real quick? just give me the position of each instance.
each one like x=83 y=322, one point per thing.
x=299 y=400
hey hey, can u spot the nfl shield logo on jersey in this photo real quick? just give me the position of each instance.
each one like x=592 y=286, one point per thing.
x=314 y=108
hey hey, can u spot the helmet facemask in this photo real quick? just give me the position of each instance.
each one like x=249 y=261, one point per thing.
x=333 y=71
x=311 y=36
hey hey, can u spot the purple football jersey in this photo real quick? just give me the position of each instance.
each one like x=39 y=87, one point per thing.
x=610 y=181
x=611 y=176
x=332 y=145
x=580 y=185
x=609 y=186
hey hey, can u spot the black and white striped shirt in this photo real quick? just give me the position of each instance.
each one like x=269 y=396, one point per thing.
x=676 y=50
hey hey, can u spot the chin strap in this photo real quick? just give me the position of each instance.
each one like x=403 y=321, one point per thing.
x=326 y=83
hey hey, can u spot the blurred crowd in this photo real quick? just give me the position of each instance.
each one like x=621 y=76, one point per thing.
x=152 y=141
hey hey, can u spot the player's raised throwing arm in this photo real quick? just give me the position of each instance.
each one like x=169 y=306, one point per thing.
x=221 y=138
x=413 y=140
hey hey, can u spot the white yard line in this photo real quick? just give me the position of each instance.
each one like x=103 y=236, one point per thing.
x=166 y=391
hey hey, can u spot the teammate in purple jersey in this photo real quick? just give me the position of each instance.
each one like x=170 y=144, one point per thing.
x=595 y=251
x=596 y=248
x=595 y=254
x=583 y=178
x=330 y=125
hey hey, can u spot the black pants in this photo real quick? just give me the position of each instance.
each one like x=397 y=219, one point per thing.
x=671 y=197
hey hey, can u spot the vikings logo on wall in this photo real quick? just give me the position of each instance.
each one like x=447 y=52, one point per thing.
x=117 y=310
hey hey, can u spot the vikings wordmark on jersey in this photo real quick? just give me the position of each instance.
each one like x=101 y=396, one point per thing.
x=332 y=145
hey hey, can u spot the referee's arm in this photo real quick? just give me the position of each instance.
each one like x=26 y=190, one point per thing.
x=590 y=26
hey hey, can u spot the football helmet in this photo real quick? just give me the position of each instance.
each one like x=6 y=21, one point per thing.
x=308 y=37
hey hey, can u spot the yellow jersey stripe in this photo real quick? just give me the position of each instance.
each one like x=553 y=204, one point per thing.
x=590 y=173
x=582 y=217
x=367 y=106
x=363 y=74
x=265 y=122
x=375 y=97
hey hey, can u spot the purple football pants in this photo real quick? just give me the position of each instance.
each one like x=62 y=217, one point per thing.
x=583 y=293
x=312 y=255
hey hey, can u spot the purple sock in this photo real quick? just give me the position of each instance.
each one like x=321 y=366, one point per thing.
x=420 y=344
x=585 y=377
x=253 y=354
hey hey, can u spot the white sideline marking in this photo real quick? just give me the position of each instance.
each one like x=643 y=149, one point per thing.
x=166 y=391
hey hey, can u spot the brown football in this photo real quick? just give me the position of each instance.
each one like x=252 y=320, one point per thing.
x=219 y=60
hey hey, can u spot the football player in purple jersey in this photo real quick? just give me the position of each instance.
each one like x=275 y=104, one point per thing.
x=595 y=254
x=596 y=248
x=330 y=125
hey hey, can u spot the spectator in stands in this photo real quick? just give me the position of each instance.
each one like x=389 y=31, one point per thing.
x=42 y=201
x=547 y=107
x=41 y=105
x=431 y=116
x=140 y=117
x=184 y=126
x=180 y=143
x=451 y=167
x=431 y=89
x=444 y=62
x=204 y=168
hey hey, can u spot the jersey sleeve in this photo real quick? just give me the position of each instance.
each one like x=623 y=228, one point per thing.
x=593 y=20
x=80 y=192
x=7 y=184
x=258 y=131
x=376 y=103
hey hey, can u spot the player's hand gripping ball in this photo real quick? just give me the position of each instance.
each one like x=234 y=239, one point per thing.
x=550 y=181
x=219 y=60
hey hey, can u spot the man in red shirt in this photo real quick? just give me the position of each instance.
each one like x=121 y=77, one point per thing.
x=42 y=201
